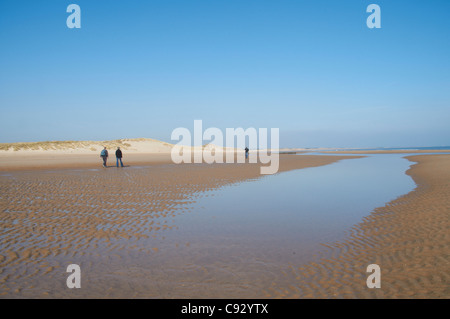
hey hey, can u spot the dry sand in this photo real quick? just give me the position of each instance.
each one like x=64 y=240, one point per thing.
x=80 y=154
x=40 y=161
x=86 y=154
x=114 y=222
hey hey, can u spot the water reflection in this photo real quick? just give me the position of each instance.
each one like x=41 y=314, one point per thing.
x=300 y=209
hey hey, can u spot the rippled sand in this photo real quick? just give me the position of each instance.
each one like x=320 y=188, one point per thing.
x=123 y=227
x=409 y=239
x=114 y=222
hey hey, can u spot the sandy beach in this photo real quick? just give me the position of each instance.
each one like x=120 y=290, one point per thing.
x=80 y=154
x=114 y=221
x=248 y=151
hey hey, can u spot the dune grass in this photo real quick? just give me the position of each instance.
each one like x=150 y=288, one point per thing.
x=70 y=145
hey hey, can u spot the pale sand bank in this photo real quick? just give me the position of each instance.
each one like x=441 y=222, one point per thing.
x=86 y=154
x=135 y=145
x=81 y=154
x=19 y=162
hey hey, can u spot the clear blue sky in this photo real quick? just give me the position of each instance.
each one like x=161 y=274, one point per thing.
x=311 y=68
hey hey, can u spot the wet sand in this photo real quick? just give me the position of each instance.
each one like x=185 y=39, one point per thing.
x=110 y=221
x=113 y=222
x=409 y=239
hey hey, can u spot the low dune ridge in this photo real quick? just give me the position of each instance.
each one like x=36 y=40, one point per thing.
x=80 y=154
x=133 y=145
x=86 y=154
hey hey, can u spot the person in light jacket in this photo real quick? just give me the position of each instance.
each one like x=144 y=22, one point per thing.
x=104 y=156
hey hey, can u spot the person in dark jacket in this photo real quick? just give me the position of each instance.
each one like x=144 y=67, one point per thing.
x=119 y=157
x=104 y=156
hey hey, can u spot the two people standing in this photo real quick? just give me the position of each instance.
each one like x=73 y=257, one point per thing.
x=104 y=155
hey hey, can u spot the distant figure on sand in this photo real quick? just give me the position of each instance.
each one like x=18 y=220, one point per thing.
x=246 y=152
x=104 y=155
x=119 y=157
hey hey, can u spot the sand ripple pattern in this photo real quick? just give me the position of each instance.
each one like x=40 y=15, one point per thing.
x=104 y=217
x=409 y=239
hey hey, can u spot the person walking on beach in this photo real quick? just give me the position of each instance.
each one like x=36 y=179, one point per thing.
x=119 y=157
x=246 y=152
x=104 y=155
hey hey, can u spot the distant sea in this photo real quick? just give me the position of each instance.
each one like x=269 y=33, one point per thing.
x=403 y=148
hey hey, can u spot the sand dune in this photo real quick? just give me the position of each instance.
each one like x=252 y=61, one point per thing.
x=136 y=145
x=86 y=154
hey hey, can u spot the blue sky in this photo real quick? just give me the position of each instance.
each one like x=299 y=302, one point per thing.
x=313 y=69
